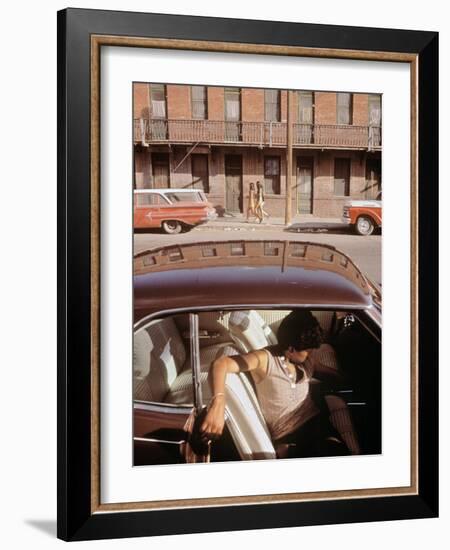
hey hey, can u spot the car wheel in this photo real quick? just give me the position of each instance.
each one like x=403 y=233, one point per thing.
x=172 y=227
x=364 y=226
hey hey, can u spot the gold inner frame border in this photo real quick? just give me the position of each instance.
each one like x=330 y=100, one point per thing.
x=97 y=41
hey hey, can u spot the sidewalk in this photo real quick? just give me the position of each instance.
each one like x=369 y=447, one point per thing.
x=299 y=224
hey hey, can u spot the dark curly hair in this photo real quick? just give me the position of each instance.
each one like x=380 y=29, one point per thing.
x=300 y=330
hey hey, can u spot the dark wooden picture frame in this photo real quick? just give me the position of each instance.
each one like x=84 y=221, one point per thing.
x=81 y=34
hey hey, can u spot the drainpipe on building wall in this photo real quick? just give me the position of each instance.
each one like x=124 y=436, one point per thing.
x=288 y=206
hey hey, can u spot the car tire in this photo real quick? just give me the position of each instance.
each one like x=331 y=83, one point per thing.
x=364 y=226
x=172 y=227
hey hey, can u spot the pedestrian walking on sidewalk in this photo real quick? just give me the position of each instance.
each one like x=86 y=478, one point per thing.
x=251 y=201
x=259 y=208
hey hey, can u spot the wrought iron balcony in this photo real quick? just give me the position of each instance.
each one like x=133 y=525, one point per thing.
x=261 y=134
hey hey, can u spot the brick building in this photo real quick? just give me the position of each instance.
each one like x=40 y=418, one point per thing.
x=220 y=139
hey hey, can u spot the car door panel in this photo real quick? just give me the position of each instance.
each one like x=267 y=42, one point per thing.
x=161 y=432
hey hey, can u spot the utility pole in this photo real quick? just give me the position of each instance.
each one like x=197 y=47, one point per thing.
x=288 y=208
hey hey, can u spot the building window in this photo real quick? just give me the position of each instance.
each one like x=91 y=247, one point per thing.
x=344 y=103
x=199 y=102
x=160 y=168
x=272 y=109
x=200 y=179
x=272 y=175
x=374 y=120
x=232 y=114
x=158 y=100
x=305 y=107
x=342 y=177
x=374 y=110
x=232 y=104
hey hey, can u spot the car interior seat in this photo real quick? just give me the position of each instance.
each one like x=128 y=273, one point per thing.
x=250 y=331
x=162 y=373
x=158 y=357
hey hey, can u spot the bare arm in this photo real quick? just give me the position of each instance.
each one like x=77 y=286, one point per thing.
x=214 y=421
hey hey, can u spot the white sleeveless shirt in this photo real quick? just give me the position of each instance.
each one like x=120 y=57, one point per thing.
x=285 y=405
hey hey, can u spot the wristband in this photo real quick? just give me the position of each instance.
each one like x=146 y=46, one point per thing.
x=216 y=395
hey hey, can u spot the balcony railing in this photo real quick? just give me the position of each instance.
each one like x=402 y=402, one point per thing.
x=256 y=133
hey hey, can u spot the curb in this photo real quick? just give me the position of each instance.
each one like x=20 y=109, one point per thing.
x=240 y=227
x=313 y=227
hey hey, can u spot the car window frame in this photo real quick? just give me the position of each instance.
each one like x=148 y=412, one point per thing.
x=190 y=405
x=181 y=194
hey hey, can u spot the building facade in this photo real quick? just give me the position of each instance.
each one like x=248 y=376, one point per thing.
x=220 y=139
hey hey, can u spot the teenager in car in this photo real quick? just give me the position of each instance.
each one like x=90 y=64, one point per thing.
x=289 y=378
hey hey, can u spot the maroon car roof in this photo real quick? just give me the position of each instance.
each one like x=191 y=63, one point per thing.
x=246 y=273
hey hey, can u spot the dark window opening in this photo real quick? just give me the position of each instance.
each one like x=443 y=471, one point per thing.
x=208 y=252
x=271 y=249
x=200 y=176
x=160 y=167
x=237 y=249
x=372 y=189
x=298 y=251
x=342 y=177
x=272 y=175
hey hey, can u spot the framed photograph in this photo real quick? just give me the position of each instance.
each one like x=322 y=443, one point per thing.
x=247 y=274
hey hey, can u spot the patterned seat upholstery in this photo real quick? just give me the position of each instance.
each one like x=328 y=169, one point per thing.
x=158 y=357
x=181 y=389
x=249 y=331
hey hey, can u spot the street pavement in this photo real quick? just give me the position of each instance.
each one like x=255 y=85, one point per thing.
x=364 y=251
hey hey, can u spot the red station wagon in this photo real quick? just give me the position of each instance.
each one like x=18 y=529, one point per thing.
x=194 y=303
x=171 y=209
